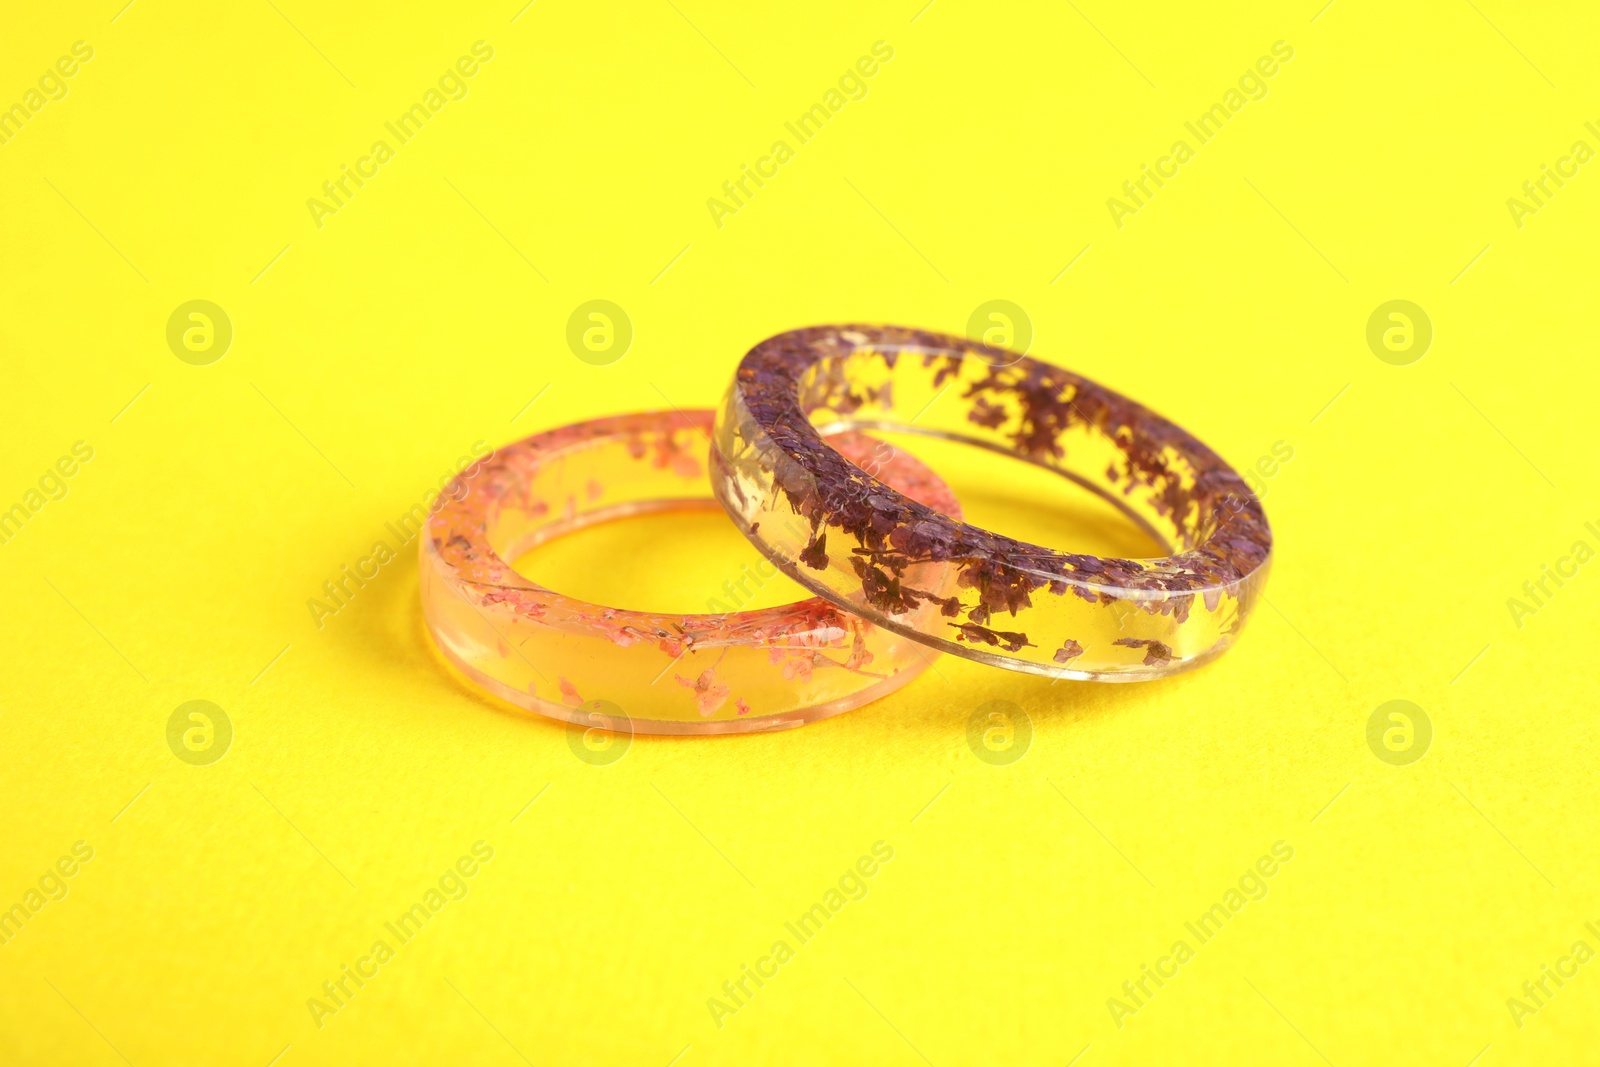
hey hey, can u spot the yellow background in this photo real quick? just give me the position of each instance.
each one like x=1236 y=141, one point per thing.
x=370 y=353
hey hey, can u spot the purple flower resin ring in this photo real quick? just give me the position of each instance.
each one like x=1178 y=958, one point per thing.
x=877 y=552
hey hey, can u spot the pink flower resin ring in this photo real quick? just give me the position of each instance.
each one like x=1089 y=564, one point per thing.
x=877 y=552
x=650 y=672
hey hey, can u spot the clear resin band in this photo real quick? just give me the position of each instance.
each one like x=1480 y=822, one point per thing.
x=915 y=569
x=650 y=672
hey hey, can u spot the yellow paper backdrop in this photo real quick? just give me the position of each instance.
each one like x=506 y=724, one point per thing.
x=373 y=345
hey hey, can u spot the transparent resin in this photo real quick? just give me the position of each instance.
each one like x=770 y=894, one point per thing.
x=650 y=672
x=856 y=541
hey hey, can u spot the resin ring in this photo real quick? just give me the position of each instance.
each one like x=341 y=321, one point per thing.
x=858 y=542
x=651 y=672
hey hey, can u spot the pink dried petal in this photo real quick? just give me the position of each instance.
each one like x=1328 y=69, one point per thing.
x=569 y=693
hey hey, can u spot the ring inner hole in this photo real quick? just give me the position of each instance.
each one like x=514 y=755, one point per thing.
x=676 y=553
x=1000 y=490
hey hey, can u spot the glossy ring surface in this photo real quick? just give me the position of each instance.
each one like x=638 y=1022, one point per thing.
x=651 y=672
x=911 y=568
